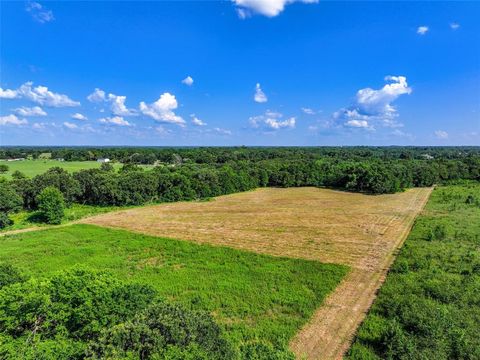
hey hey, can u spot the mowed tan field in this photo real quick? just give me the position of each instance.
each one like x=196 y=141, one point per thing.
x=329 y=226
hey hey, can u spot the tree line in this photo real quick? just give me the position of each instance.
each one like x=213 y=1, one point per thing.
x=184 y=180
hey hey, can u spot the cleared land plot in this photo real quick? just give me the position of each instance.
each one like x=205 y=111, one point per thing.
x=255 y=296
x=330 y=226
x=32 y=168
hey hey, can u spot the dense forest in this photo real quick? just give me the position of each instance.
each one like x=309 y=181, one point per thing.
x=198 y=173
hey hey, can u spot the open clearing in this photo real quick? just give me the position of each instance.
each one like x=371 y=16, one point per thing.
x=254 y=296
x=358 y=230
x=32 y=168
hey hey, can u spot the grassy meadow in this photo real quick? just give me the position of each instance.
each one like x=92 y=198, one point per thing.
x=32 y=168
x=429 y=306
x=254 y=296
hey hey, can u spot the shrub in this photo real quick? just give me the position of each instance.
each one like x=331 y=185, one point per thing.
x=51 y=205
x=9 y=275
x=164 y=331
x=3 y=168
x=9 y=199
x=5 y=220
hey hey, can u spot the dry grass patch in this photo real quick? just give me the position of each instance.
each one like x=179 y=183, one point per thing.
x=325 y=225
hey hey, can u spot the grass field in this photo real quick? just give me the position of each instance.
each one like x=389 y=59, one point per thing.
x=330 y=226
x=429 y=306
x=252 y=295
x=34 y=167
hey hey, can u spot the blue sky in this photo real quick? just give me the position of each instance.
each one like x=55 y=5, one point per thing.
x=243 y=72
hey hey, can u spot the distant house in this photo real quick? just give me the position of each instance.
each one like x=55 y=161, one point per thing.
x=60 y=159
x=103 y=160
x=427 y=156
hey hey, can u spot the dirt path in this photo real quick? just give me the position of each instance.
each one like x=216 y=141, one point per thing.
x=361 y=231
x=329 y=333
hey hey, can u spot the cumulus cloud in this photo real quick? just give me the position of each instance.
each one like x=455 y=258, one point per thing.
x=115 y=120
x=162 y=110
x=188 y=81
x=422 y=30
x=440 y=134
x=12 y=120
x=372 y=105
x=39 y=12
x=39 y=94
x=30 y=111
x=118 y=107
x=272 y=120
x=97 y=96
x=454 y=26
x=117 y=102
x=196 y=121
x=78 y=116
x=8 y=94
x=70 y=125
x=259 y=96
x=269 y=8
x=357 y=123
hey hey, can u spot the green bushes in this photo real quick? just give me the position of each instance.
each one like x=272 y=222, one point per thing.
x=51 y=205
x=10 y=201
x=80 y=314
x=429 y=306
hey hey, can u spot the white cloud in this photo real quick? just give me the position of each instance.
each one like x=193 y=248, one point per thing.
x=422 y=30
x=41 y=95
x=454 y=26
x=196 y=121
x=372 y=105
x=162 y=109
x=8 y=94
x=259 y=96
x=276 y=124
x=12 y=120
x=97 y=96
x=222 y=131
x=78 y=116
x=39 y=12
x=30 y=111
x=269 y=8
x=188 y=81
x=70 y=125
x=117 y=102
x=441 y=134
x=308 y=111
x=118 y=107
x=115 y=120
x=357 y=123
x=272 y=120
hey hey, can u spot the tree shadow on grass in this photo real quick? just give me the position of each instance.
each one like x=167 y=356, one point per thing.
x=36 y=217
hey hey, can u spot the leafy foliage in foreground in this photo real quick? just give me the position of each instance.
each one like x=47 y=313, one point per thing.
x=260 y=301
x=429 y=306
x=80 y=314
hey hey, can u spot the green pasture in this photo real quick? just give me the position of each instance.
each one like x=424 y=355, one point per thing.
x=254 y=296
x=429 y=305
